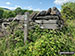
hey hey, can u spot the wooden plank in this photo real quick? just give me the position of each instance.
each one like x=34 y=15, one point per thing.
x=50 y=21
x=38 y=21
x=33 y=15
x=66 y=53
x=47 y=17
x=46 y=21
x=49 y=26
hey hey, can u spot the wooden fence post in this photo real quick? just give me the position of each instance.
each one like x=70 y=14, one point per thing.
x=26 y=21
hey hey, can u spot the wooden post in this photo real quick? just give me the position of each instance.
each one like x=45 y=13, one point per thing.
x=26 y=21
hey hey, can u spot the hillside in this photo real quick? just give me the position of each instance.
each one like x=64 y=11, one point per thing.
x=5 y=13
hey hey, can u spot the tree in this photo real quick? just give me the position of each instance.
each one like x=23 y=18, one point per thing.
x=8 y=14
x=18 y=10
x=11 y=14
x=1 y=13
x=68 y=10
x=30 y=11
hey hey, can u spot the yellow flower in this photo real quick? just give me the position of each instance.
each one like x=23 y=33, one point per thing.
x=52 y=49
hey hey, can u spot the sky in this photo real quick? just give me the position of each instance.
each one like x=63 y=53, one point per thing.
x=33 y=4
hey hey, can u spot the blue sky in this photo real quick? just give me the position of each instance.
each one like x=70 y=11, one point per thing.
x=33 y=4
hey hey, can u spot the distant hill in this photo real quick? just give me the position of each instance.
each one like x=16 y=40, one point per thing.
x=5 y=8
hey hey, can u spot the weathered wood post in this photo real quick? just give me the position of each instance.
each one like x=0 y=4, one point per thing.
x=26 y=21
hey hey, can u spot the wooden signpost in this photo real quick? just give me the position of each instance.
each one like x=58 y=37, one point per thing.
x=45 y=22
x=26 y=21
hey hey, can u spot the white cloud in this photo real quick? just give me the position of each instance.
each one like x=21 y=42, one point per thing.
x=60 y=2
x=38 y=9
x=11 y=8
x=8 y=3
x=30 y=8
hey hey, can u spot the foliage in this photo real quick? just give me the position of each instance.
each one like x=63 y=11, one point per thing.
x=40 y=42
x=18 y=10
x=8 y=14
x=1 y=13
x=68 y=10
x=22 y=11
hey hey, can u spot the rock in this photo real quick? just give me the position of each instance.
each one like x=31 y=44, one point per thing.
x=1 y=34
x=42 y=13
x=19 y=17
x=10 y=19
x=5 y=24
x=55 y=11
x=1 y=20
x=48 y=12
